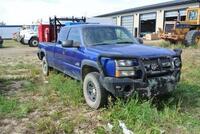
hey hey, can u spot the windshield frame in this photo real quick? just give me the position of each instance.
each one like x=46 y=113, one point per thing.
x=133 y=39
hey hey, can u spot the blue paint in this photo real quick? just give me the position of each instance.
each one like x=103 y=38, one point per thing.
x=70 y=60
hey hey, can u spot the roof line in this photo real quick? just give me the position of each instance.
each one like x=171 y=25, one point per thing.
x=159 y=5
x=11 y=25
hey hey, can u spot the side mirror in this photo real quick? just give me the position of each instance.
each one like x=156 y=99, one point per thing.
x=76 y=44
x=67 y=43
x=140 y=40
x=178 y=51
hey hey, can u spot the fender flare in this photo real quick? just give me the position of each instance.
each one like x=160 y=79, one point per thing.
x=39 y=53
x=33 y=37
x=89 y=63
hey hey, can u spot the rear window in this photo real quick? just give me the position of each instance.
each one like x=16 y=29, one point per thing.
x=74 y=35
x=62 y=36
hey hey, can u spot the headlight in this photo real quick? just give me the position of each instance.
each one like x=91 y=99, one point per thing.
x=177 y=62
x=124 y=68
x=123 y=73
x=124 y=63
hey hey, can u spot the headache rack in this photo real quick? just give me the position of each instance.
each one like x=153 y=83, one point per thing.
x=56 y=23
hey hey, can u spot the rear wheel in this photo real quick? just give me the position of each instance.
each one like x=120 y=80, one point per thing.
x=192 y=38
x=45 y=66
x=34 y=42
x=95 y=95
x=1 y=42
x=22 y=41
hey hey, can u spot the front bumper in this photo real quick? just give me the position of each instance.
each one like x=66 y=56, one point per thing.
x=125 y=87
x=147 y=85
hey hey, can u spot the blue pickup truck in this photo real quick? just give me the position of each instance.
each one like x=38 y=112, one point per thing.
x=108 y=60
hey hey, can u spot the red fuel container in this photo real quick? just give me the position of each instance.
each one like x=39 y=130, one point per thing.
x=45 y=33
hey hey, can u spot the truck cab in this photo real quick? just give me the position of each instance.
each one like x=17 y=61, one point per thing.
x=29 y=36
x=193 y=16
x=110 y=61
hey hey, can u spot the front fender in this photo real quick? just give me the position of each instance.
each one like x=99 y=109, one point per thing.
x=89 y=63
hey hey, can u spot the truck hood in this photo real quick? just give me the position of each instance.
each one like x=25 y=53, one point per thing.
x=135 y=50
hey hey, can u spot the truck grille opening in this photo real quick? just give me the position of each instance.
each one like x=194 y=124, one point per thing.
x=156 y=66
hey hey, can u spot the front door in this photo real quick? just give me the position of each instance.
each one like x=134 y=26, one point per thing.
x=71 y=65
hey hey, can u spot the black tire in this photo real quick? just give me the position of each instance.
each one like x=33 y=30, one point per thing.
x=101 y=95
x=45 y=66
x=1 y=42
x=22 y=41
x=191 y=37
x=34 y=42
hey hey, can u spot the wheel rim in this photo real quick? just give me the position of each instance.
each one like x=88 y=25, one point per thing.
x=35 y=42
x=44 y=67
x=197 y=40
x=91 y=91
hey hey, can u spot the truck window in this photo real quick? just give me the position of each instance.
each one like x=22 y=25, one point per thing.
x=74 y=35
x=192 y=15
x=62 y=36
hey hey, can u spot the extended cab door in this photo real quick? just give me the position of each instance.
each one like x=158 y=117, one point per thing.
x=59 y=51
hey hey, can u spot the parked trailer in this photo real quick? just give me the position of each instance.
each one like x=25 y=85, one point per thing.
x=7 y=31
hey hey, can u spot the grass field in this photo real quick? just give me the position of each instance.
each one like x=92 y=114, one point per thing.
x=31 y=103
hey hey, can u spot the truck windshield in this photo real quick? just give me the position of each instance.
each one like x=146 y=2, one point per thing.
x=106 y=35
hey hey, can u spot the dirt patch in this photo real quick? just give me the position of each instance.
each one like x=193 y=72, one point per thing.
x=19 y=67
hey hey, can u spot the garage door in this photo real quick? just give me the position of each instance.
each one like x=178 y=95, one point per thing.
x=147 y=23
x=145 y=17
x=173 y=15
x=127 y=22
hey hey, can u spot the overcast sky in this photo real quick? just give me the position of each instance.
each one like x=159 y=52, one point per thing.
x=27 y=11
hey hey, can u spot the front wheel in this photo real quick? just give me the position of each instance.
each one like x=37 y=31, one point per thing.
x=95 y=95
x=34 y=42
x=192 y=38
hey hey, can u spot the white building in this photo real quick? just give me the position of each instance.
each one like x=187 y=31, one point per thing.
x=149 y=19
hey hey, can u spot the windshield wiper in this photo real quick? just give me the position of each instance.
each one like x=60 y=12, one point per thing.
x=124 y=42
x=99 y=44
